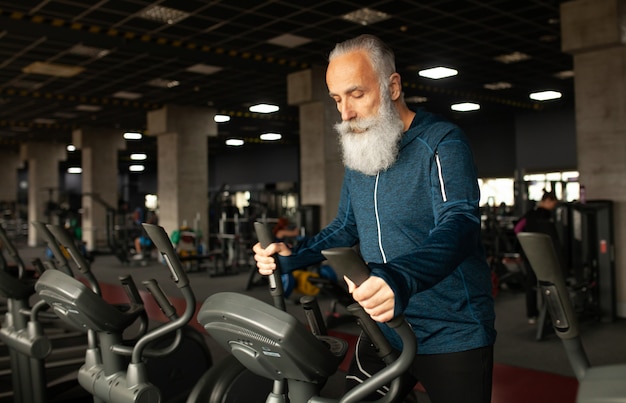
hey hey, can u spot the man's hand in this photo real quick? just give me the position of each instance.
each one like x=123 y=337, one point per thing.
x=264 y=260
x=375 y=296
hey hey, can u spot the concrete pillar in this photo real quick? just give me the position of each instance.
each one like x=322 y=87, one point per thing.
x=99 y=148
x=8 y=175
x=43 y=180
x=183 y=165
x=593 y=32
x=321 y=168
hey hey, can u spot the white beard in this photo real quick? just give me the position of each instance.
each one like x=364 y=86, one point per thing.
x=371 y=145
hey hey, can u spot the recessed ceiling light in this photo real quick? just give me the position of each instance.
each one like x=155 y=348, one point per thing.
x=52 y=69
x=138 y=157
x=127 y=95
x=564 y=74
x=289 y=40
x=500 y=85
x=162 y=83
x=264 y=108
x=27 y=84
x=71 y=148
x=163 y=14
x=416 y=99
x=512 y=57
x=136 y=168
x=465 y=107
x=88 y=51
x=545 y=95
x=365 y=16
x=74 y=170
x=88 y=108
x=44 y=121
x=270 y=136
x=133 y=136
x=438 y=72
x=234 y=142
x=65 y=115
x=201 y=68
x=221 y=118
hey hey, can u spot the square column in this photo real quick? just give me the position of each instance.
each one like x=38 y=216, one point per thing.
x=99 y=148
x=321 y=168
x=43 y=175
x=183 y=165
x=593 y=32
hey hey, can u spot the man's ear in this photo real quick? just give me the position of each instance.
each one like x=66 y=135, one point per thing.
x=395 y=86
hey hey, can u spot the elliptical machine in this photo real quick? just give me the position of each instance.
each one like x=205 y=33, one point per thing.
x=30 y=342
x=273 y=344
x=147 y=369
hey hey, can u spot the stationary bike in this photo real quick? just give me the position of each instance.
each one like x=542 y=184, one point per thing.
x=164 y=362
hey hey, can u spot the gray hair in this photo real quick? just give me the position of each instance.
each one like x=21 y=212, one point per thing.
x=381 y=55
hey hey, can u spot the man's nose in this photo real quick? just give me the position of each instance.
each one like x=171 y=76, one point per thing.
x=347 y=112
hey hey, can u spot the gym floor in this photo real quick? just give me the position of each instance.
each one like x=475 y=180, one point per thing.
x=526 y=369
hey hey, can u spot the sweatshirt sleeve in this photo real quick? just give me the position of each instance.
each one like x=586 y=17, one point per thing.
x=340 y=232
x=456 y=233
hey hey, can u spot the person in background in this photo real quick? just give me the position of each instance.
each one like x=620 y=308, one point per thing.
x=409 y=199
x=539 y=219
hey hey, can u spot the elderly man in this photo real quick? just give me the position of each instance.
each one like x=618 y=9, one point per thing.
x=410 y=200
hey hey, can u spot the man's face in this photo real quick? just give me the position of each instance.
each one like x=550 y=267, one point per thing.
x=371 y=126
x=353 y=84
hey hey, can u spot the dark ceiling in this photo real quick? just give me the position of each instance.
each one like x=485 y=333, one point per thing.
x=121 y=52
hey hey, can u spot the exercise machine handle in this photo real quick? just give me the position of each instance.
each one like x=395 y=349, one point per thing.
x=161 y=299
x=62 y=263
x=6 y=242
x=348 y=262
x=158 y=235
x=131 y=289
x=276 y=285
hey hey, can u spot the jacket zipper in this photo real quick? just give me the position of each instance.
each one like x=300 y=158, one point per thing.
x=380 y=240
x=441 y=184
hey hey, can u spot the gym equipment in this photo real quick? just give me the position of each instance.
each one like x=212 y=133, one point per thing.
x=148 y=369
x=272 y=343
x=602 y=384
x=35 y=378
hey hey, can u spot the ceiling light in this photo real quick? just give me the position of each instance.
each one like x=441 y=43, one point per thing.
x=162 y=83
x=65 y=115
x=365 y=16
x=163 y=14
x=127 y=95
x=545 y=95
x=234 y=142
x=438 y=72
x=500 y=85
x=512 y=57
x=44 y=121
x=88 y=51
x=271 y=136
x=564 y=74
x=289 y=40
x=74 y=170
x=138 y=157
x=136 y=168
x=264 y=108
x=221 y=118
x=132 y=136
x=201 y=68
x=465 y=107
x=88 y=108
x=52 y=69
x=71 y=148
x=416 y=99
x=27 y=84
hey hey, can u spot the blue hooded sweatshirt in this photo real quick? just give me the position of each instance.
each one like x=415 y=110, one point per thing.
x=418 y=228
